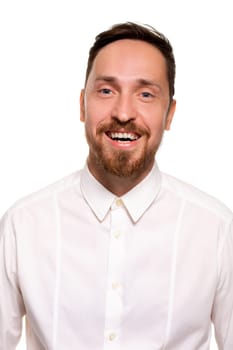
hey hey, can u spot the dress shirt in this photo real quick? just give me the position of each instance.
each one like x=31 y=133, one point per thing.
x=147 y=271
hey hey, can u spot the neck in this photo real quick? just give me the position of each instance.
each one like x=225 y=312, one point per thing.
x=116 y=184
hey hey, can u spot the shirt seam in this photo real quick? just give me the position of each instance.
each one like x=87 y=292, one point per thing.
x=173 y=274
x=223 y=216
x=228 y=327
x=13 y=278
x=58 y=274
x=219 y=256
x=39 y=195
x=222 y=247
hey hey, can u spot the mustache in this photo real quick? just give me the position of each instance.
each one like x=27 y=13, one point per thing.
x=127 y=126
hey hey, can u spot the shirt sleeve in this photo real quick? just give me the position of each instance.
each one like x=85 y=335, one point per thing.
x=11 y=302
x=223 y=305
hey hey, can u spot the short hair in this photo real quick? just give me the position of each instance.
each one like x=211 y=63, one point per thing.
x=130 y=30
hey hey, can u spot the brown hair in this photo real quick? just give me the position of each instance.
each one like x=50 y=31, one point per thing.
x=130 y=30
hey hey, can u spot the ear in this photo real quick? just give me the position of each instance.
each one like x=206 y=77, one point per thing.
x=170 y=115
x=81 y=104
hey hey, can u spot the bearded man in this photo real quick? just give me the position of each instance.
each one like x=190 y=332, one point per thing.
x=119 y=255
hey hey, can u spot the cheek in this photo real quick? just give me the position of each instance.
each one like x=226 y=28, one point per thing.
x=96 y=113
x=154 y=114
x=157 y=132
x=91 y=119
x=156 y=124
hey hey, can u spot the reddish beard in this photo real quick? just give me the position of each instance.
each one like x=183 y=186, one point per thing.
x=121 y=163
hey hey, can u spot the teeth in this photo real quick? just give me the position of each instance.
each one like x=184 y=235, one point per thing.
x=124 y=136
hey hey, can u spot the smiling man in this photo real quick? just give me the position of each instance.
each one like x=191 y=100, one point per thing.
x=126 y=106
x=119 y=255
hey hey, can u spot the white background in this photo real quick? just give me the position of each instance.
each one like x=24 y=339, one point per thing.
x=44 y=46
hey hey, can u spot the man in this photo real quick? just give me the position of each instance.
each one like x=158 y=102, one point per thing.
x=119 y=255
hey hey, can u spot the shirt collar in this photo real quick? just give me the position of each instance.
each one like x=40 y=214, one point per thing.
x=136 y=201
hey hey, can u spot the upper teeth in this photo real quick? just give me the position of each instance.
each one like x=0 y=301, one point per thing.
x=123 y=135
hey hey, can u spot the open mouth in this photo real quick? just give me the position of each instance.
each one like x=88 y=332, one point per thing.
x=123 y=136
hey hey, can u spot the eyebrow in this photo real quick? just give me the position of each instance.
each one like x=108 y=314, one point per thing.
x=106 y=78
x=139 y=82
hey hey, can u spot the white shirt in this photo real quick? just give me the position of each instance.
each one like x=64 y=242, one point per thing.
x=148 y=271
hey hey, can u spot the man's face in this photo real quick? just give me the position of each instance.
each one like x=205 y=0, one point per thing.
x=126 y=107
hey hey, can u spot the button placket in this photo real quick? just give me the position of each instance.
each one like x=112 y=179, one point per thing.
x=112 y=336
x=114 y=305
x=115 y=285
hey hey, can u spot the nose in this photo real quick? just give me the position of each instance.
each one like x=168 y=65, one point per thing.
x=124 y=108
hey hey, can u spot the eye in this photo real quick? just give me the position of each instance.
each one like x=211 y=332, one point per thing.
x=146 y=94
x=105 y=91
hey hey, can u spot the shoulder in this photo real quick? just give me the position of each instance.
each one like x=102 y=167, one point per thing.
x=47 y=193
x=195 y=197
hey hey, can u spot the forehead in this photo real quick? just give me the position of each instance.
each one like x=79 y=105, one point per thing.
x=129 y=57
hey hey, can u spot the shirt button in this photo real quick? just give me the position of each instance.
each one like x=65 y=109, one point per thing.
x=115 y=285
x=112 y=336
x=118 y=202
x=117 y=234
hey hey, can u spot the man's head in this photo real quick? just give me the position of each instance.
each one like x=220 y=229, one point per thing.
x=128 y=101
x=130 y=30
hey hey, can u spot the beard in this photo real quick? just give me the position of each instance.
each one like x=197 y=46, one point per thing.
x=121 y=163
